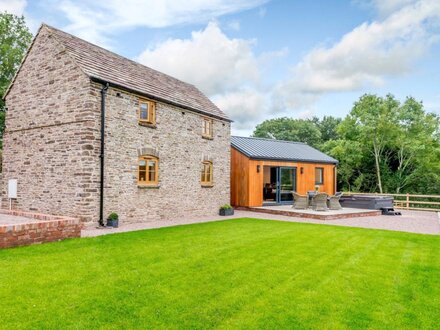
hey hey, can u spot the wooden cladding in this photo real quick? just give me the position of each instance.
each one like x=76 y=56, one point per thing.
x=247 y=182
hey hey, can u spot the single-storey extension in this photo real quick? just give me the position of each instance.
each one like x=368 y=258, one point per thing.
x=265 y=171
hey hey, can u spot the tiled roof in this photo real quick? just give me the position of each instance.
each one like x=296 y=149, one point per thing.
x=257 y=148
x=103 y=65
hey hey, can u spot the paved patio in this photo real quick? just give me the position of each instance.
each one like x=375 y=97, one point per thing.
x=287 y=210
x=409 y=221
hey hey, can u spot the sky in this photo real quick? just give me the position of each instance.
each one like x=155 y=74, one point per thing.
x=261 y=59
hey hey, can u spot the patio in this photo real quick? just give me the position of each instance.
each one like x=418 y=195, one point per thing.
x=287 y=210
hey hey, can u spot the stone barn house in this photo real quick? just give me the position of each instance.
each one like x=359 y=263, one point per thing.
x=89 y=132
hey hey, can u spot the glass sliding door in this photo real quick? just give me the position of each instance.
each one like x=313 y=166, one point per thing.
x=286 y=184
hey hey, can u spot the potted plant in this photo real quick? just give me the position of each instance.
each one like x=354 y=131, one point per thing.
x=226 y=210
x=113 y=220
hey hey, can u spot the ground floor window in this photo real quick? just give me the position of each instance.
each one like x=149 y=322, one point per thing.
x=148 y=170
x=319 y=175
x=206 y=175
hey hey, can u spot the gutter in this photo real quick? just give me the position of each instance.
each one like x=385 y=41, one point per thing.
x=101 y=155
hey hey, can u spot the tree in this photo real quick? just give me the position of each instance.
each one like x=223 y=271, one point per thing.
x=373 y=120
x=15 y=38
x=289 y=129
x=328 y=127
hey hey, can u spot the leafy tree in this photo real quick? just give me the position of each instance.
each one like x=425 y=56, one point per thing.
x=328 y=127
x=14 y=41
x=371 y=121
x=289 y=129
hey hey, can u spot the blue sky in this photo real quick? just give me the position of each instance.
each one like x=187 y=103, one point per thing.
x=259 y=59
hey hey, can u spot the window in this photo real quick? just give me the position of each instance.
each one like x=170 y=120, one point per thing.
x=147 y=112
x=147 y=170
x=206 y=178
x=319 y=175
x=207 y=128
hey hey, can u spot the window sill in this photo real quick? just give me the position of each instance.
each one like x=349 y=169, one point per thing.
x=207 y=185
x=145 y=124
x=206 y=137
x=146 y=186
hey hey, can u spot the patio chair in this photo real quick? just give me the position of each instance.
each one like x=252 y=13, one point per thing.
x=320 y=202
x=333 y=202
x=300 y=202
x=311 y=194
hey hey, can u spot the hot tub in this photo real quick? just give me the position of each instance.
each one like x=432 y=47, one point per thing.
x=369 y=202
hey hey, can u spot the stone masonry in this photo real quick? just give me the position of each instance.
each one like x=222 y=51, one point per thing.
x=52 y=146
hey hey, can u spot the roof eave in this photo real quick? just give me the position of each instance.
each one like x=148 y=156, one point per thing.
x=159 y=99
x=335 y=162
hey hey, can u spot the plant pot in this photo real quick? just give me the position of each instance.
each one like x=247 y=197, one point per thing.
x=224 y=212
x=113 y=223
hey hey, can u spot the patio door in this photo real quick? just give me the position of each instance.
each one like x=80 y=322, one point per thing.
x=286 y=183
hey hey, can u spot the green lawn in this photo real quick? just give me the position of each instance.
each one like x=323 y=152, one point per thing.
x=243 y=273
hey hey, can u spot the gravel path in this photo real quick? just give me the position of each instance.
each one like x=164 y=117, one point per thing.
x=410 y=221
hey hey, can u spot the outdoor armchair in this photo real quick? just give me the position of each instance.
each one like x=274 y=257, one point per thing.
x=300 y=201
x=319 y=202
x=333 y=202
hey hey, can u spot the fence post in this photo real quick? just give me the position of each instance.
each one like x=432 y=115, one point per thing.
x=407 y=201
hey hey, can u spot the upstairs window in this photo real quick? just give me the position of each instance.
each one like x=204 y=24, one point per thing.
x=207 y=128
x=147 y=112
x=319 y=175
x=206 y=177
x=147 y=170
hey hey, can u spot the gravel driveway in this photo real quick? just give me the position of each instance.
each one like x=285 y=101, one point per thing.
x=410 y=221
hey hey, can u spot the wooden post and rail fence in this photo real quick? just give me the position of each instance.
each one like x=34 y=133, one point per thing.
x=410 y=201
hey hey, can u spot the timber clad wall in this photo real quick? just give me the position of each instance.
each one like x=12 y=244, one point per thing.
x=247 y=184
x=52 y=146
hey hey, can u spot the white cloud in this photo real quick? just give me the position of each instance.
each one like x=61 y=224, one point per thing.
x=93 y=20
x=244 y=106
x=365 y=56
x=226 y=69
x=209 y=60
x=15 y=7
x=234 y=25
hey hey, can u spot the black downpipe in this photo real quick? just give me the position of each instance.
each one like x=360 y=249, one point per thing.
x=101 y=156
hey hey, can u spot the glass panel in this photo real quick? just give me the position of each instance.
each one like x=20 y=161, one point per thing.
x=143 y=111
x=142 y=176
x=319 y=175
x=208 y=173
x=286 y=184
x=151 y=176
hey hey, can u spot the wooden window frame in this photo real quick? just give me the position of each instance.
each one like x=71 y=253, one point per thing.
x=151 y=113
x=321 y=182
x=207 y=133
x=207 y=170
x=156 y=172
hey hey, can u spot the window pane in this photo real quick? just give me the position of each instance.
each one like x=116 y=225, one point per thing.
x=142 y=176
x=318 y=175
x=151 y=165
x=143 y=111
x=151 y=176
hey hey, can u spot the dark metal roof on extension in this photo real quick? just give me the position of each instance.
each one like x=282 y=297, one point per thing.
x=257 y=148
x=104 y=66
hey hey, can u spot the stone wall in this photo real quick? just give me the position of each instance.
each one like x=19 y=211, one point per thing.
x=51 y=141
x=178 y=141
x=52 y=146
